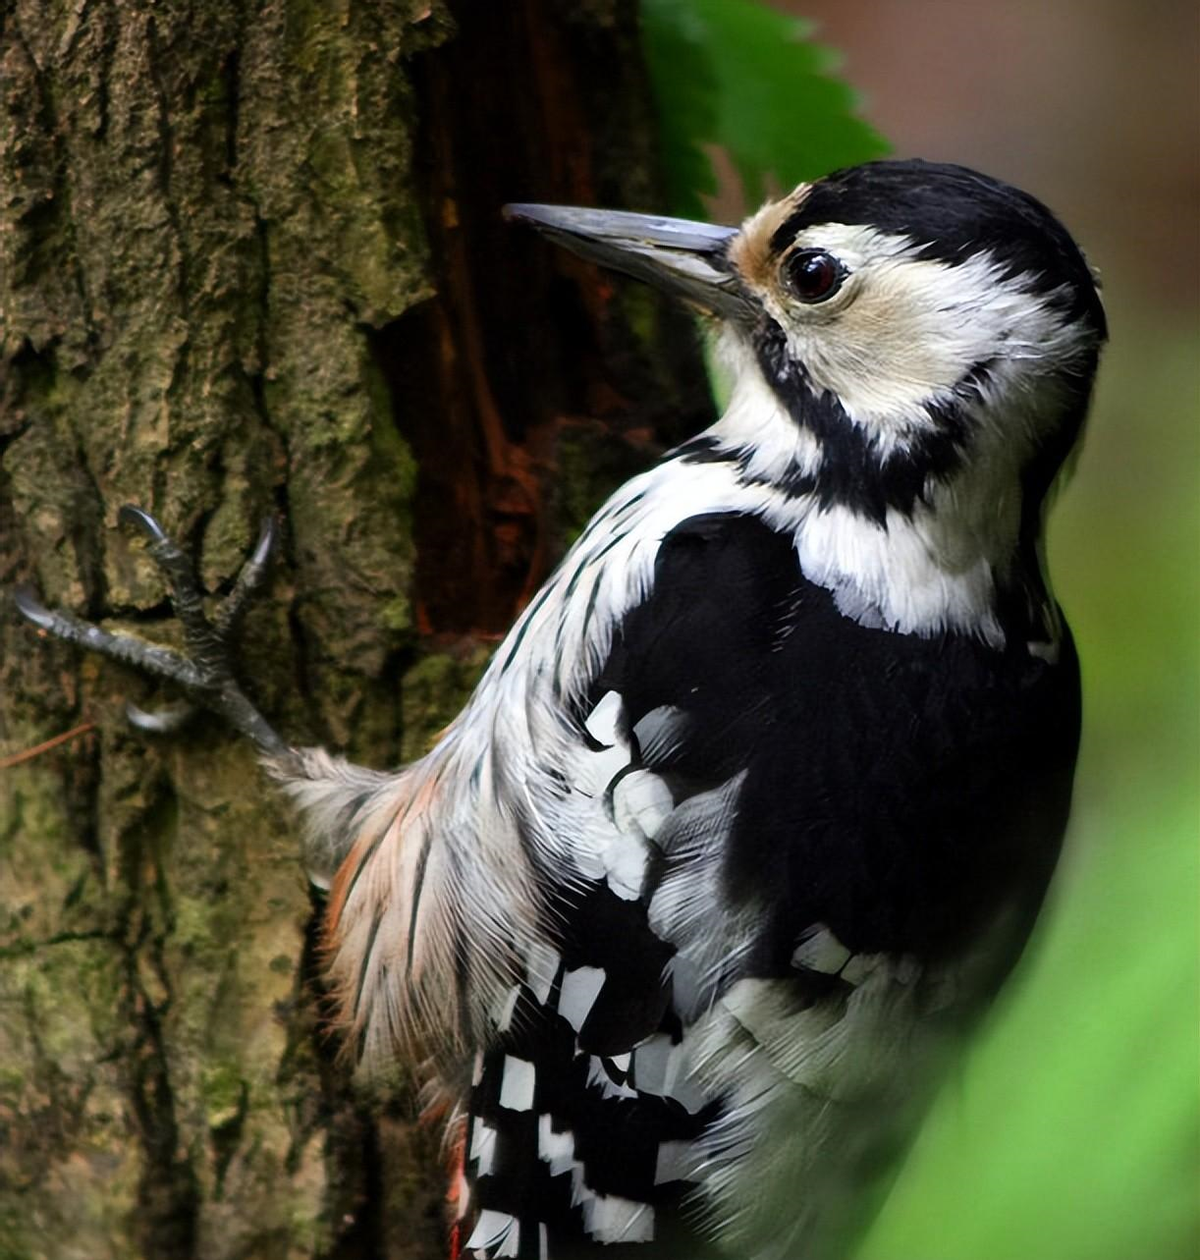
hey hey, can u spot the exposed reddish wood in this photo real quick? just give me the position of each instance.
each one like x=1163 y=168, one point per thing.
x=519 y=336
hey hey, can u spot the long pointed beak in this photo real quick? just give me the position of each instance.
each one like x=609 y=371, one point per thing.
x=684 y=258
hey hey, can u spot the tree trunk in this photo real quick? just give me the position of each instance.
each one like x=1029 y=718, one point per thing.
x=251 y=260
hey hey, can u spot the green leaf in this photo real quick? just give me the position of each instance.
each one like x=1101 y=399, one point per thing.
x=737 y=75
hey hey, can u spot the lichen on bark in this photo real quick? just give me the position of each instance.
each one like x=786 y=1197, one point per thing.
x=251 y=262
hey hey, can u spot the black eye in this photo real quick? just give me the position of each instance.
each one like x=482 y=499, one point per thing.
x=812 y=275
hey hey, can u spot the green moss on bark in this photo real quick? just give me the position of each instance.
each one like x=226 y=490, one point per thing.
x=218 y=255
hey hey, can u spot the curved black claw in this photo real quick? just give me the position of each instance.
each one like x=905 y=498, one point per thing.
x=250 y=580
x=204 y=670
x=32 y=608
x=130 y=514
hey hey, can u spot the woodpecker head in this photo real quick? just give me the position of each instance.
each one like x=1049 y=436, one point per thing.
x=926 y=332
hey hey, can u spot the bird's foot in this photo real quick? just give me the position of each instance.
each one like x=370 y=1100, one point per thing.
x=204 y=669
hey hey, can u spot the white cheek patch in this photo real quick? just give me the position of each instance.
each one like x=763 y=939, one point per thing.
x=906 y=330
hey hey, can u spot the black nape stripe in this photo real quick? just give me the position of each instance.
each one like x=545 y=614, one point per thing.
x=791 y=482
x=854 y=473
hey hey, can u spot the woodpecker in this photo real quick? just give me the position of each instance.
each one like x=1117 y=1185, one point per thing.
x=756 y=805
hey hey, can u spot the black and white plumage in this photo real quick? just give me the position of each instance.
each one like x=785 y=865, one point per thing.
x=756 y=804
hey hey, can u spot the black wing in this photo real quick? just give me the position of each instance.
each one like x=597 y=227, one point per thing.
x=804 y=790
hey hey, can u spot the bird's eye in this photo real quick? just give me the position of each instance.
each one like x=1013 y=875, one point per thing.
x=812 y=275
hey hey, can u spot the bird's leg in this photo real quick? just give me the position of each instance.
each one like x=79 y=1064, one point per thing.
x=204 y=670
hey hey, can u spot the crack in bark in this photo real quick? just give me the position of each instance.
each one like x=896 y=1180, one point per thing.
x=168 y=1194
x=166 y=162
x=21 y=948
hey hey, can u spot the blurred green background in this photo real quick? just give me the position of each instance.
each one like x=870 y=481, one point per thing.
x=1072 y=1132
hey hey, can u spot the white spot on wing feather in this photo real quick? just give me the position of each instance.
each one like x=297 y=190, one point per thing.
x=661 y=1067
x=625 y=866
x=609 y=1088
x=494 y=1229
x=820 y=951
x=510 y=1248
x=611 y=1219
x=599 y=769
x=578 y=993
x=555 y=1149
x=642 y=802
x=660 y=732
x=517 y=1084
x=581 y=1192
x=601 y=723
x=860 y=966
x=483 y=1147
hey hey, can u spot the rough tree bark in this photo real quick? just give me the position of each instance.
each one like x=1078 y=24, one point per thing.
x=251 y=260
